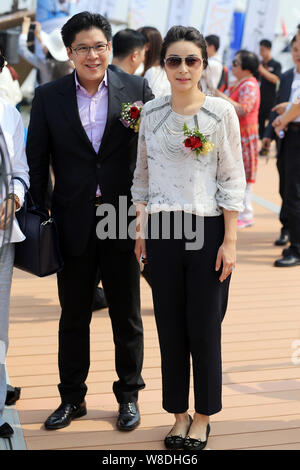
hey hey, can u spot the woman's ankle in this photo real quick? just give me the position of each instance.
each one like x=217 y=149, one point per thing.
x=181 y=417
x=199 y=418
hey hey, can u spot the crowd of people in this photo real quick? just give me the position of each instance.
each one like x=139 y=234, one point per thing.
x=192 y=163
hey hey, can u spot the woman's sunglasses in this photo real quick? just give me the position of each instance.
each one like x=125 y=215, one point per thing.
x=190 y=61
x=235 y=63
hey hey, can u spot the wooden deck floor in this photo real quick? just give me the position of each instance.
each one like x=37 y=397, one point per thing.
x=261 y=393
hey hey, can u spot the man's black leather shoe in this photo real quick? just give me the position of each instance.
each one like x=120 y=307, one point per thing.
x=6 y=430
x=283 y=239
x=129 y=417
x=12 y=395
x=289 y=260
x=64 y=414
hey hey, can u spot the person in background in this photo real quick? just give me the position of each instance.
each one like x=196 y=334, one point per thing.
x=245 y=97
x=128 y=51
x=270 y=72
x=56 y=63
x=153 y=72
x=12 y=147
x=289 y=159
x=280 y=124
x=9 y=82
x=212 y=75
x=287 y=93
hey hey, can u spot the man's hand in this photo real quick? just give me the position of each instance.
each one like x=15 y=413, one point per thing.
x=266 y=143
x=37 y=31
x=26 y=25
x=7 y=213
x=280 y=108
x=261 y=69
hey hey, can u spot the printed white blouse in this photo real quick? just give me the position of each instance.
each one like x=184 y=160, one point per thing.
x=170 y=177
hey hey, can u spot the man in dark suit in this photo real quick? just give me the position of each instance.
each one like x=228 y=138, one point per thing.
x=287 y=163
x=76 y=120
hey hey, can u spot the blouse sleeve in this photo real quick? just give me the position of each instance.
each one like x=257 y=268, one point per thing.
x=247 y=99
x=19 y=160
x=139 y=188
x=231 y=181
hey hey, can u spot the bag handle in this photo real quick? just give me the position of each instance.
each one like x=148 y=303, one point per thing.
x=22 y=181
x=26 y=189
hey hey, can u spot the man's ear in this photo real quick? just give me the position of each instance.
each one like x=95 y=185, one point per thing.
x=70 y=54
x=134 y=56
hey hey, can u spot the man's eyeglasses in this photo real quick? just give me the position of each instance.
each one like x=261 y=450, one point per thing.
x=85 y=50
x=173 y=62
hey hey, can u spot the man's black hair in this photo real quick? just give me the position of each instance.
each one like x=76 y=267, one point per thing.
x=266 y=43
x=126 y=41
x=83 y=22
x=213 y=40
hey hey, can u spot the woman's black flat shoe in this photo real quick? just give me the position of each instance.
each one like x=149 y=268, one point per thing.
x=196 y=444
x=176 y=442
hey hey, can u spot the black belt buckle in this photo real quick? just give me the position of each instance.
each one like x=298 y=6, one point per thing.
x=98 y=201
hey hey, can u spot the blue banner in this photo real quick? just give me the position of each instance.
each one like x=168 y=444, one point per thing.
x=236 y=35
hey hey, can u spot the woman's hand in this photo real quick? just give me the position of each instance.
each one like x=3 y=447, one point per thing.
x=140 y=251
x=7 y=213
x=226 y=257
x=140 y=244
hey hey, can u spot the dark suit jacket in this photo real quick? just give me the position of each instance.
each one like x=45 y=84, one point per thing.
x=55 y=129
x=283 y=95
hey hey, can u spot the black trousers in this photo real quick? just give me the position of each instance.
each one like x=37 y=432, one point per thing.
x=77 y=282
x=281 y=170
x=291 y=166
x=264 y=113
x=189 y=304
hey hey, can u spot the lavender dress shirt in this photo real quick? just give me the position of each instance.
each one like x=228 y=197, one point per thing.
x=93 y=112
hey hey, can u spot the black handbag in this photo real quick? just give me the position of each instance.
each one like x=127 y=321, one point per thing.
x=39 y=253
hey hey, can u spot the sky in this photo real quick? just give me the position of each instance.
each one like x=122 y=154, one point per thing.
x=158 y=11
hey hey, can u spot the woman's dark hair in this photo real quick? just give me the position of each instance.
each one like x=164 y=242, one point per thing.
x=154 y=39
x=249 y=61
x=181 y=33
x=83 y=22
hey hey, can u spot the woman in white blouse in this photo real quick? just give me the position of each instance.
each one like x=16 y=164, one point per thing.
x=13 y=152
x=190 y=284
x=153 y=71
